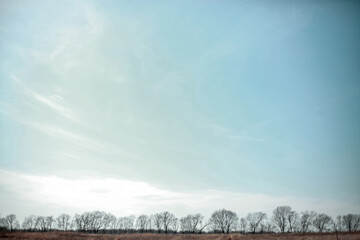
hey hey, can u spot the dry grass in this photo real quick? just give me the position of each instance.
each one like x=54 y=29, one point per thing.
x=147 y=236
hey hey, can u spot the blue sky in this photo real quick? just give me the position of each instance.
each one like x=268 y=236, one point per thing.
x=244 y=101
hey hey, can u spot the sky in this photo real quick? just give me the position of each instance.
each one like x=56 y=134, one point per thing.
x=189 y=106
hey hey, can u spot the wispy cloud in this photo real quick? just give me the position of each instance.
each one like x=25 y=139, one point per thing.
x=82 y=136
x=54 y=103
x=80 y=140
x=224 y=132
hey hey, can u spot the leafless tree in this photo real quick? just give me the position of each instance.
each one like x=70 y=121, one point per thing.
x=125 y=224
x=185 y=224
x=270 y=227
x=337 y=224
x=321 y=222
x=203 y=225
x=293 y=220
x=262 y=227
x=142 y=222
x=79 y=225
x=164 y=221
x=168 y=221
x=2 y=223
x=191 y=223
x=175 y=225
x=10 y=222
x=64 y=222
x=280 y=217
x=266 y=227
x=255 y=220
x=41 y=223
x=243 y=225
x=151 y=222
x=82 y=222
x=351 y=222
x=157 y=220
x=223 y=220
x=29 y=223
x=49 y=222
x=97 y=221
x=93 y=221
x=306 y=220
x=110 y=221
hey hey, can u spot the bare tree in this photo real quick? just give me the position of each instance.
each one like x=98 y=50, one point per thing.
x=97 y=220
x=203 y=225
x=157 y=220
x=41 y=224
x=223 y=220
x=165 y=221
x=269 y=227
x=185 y=224
x=92 y=221
x=175 y=225
x=293 y=220
x=280 y=217
x=191 y=223
x=255 y=220
x=243 y=225
x=49 y=222
x=151 y=222
x=266 y=226
x=78 y=223
x=64 y=222
x=2 y=223
x=306 y=220
x=168 y=221
x=321 y=222
x=82 y=222
x=10 y=222
x=29 y=223
x=142 y=222
x=126 y=224
x=262 y=227
x=351 y=222
x=110 y=221
x=337 y=224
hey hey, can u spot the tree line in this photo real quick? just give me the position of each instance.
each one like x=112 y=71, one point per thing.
x=283 y=220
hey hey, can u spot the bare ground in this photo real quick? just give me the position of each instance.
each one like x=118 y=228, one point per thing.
x=147 y=236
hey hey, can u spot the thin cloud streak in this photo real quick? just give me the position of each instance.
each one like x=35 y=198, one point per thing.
x=54 y=105
x=72 y=137
x=61 y=133
x=79 y=140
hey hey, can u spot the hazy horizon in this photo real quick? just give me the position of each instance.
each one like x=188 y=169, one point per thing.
x=185 y=106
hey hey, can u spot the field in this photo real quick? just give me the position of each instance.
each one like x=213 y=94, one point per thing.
x=82 y=236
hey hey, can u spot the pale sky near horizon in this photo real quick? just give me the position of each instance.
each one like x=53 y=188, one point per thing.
x=188 y=106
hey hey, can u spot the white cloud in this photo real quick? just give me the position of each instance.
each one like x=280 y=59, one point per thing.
x=124 y=197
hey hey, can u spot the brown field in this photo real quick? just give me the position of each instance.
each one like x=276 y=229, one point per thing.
x=147 y=236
